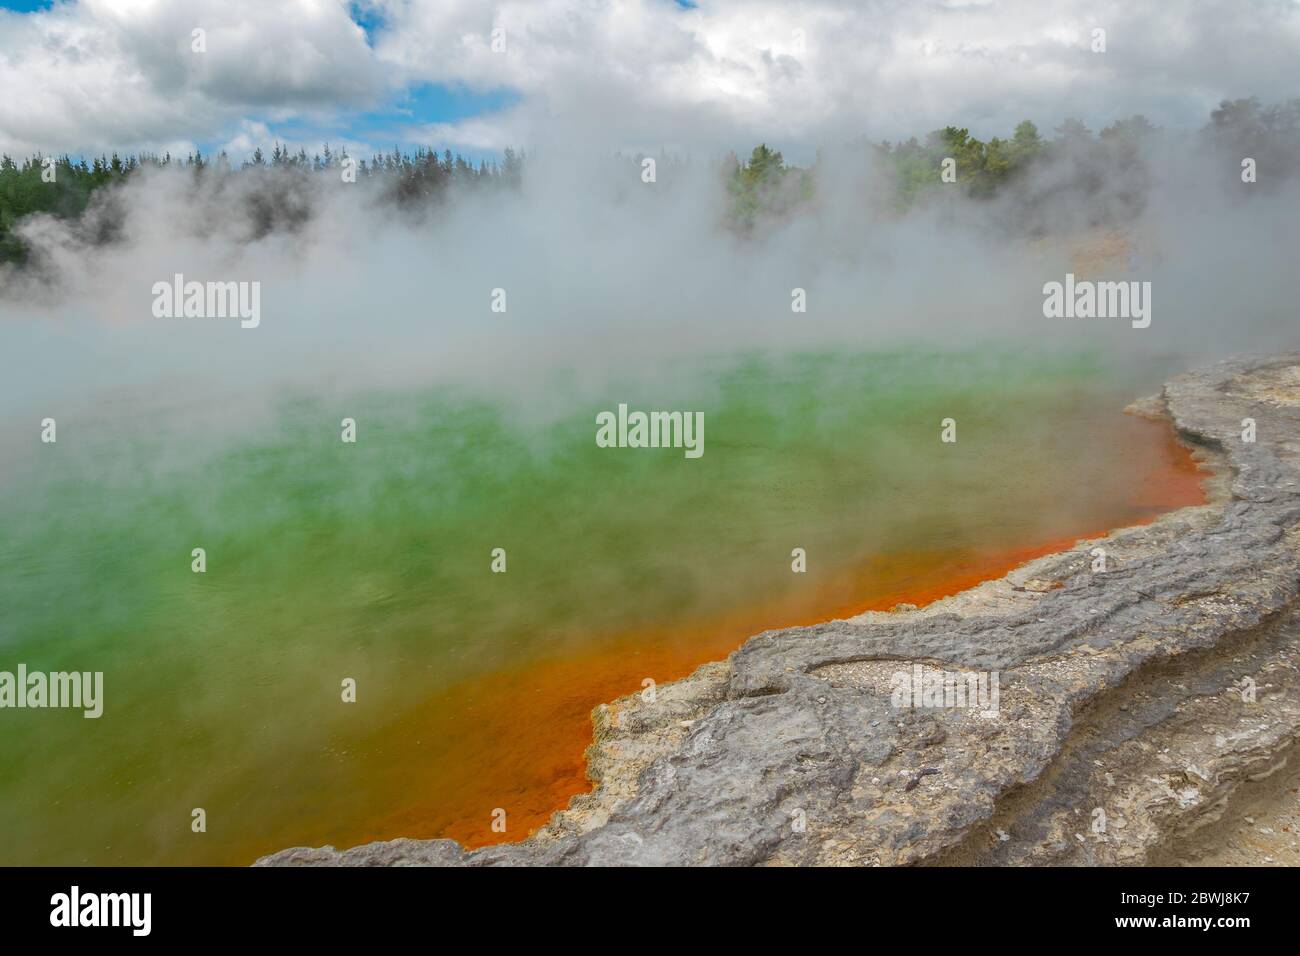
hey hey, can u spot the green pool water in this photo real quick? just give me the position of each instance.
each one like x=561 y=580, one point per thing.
x=371 y=561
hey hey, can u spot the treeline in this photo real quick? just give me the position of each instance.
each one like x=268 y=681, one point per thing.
x=63 y=187
x=1105 y=173
x=912 y=173
x=984 y=168
x=764 y=187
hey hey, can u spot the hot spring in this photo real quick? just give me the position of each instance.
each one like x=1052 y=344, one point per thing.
x=329 y=561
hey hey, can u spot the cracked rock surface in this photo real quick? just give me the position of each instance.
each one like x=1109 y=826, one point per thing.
x=1131 y=703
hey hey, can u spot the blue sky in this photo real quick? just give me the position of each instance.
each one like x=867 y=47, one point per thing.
x=367 y=17
x=388 y=126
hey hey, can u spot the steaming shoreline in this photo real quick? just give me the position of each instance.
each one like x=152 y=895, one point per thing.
x=1099 y=671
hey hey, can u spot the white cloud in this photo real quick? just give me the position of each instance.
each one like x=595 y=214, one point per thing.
x=640 y=72
x=102 y=74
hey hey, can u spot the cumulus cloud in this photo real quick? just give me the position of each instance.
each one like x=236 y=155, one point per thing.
x=99 y=75
x=644 y=73
x=93 y=75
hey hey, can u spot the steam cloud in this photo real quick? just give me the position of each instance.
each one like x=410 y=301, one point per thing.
x=607 y=276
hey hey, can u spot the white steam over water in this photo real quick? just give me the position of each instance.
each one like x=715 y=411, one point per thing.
x=606 y=276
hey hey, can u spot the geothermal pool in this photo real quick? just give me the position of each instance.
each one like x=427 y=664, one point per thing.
x=372 y=561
